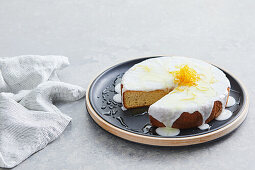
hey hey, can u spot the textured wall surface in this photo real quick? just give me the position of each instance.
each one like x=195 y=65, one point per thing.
x=97 y=34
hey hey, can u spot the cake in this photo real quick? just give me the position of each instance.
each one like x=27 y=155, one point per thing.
x=181 y=92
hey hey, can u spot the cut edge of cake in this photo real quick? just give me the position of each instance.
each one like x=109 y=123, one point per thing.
x=134 y=99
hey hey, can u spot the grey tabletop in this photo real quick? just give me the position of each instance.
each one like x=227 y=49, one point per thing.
x=97 y=34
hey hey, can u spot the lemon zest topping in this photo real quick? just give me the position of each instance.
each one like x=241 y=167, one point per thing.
x=146 y=68
x=178 y=89
x=191 y=98
x=186 y=76
x=202 y=88
x=213 y=80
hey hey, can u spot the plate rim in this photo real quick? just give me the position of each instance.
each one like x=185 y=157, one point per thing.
x=159 y=141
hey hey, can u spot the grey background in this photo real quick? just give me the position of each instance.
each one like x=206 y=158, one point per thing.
x=97 y=34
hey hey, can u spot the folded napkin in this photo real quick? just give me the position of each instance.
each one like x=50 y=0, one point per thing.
x=28 y=119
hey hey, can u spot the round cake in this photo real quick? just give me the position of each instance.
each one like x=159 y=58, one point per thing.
x=181 y=92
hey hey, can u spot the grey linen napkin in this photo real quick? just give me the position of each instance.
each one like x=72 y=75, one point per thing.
x=28 y=119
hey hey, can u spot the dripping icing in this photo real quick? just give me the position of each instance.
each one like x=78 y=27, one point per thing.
x=123 y=108
x=117 y=88
x=204 y=126
x=117 y=98
x=225 y=114
x=167 y=131
x=231 y=101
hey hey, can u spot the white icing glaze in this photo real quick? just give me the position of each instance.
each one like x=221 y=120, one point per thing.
x=154 y=74
x=167 y=131
x=204 y=127
x=151 y=74
x=123 y=108
x=231 y=101
x=117 y=98
x=117 y=88
x=225 y=114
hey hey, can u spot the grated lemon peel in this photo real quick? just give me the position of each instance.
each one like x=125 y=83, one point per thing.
x=186 y=76
x=191 y=98
x=146 y=68
x=202 y=88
